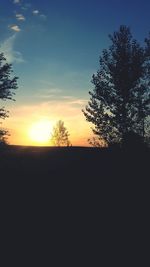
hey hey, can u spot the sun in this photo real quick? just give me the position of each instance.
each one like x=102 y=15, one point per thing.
x=40 y=132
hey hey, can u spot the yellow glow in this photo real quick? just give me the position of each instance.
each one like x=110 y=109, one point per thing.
x=31 y=125
x=40 y=132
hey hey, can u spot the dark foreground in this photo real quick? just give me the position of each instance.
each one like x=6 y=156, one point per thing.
x=76 y=194
x=69 y=162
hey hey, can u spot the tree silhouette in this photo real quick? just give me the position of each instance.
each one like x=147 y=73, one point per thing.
x=3 y=137
x=7 y=85
x=60 y=135
x=97 y=142
x=120 y=99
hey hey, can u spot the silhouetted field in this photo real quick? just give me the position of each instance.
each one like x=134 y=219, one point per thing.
x=69 y=162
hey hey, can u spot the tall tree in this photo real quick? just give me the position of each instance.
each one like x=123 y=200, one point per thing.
x=7 y=86
x=119 y=100
x=60 y=135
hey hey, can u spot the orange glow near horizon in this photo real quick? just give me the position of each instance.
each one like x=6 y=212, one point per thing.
x=38 y=133
x=31 y=125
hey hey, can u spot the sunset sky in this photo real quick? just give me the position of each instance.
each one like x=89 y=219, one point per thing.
x=54 y=47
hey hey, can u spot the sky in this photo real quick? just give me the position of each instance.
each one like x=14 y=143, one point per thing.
x=54 y=48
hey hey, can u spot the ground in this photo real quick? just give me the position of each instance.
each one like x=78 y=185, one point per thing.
x=69 y=162
x=74 y=193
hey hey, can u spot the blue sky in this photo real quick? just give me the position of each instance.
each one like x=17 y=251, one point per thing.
x=54 y=47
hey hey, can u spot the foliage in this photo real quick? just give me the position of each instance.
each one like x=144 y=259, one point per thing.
x=3 y=137
x=60 y=135
x=7 y=86
x=120 y=100
x=7 y=82
x=97 y=142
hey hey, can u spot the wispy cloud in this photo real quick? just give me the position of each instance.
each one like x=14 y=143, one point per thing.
x=36 y=12
x=26 y=6
x=57 y=94
x=7 y=47
x=78 y=102
x=20 y=17
x=49 y=93
x=16 y=1
x=43 y=17
x=15 y=28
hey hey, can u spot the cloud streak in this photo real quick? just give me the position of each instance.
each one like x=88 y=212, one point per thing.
x=35 y=12
x=43 y=17
x=15 y=28
x=20 y=17
x=7 y=47
x=16 y=1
